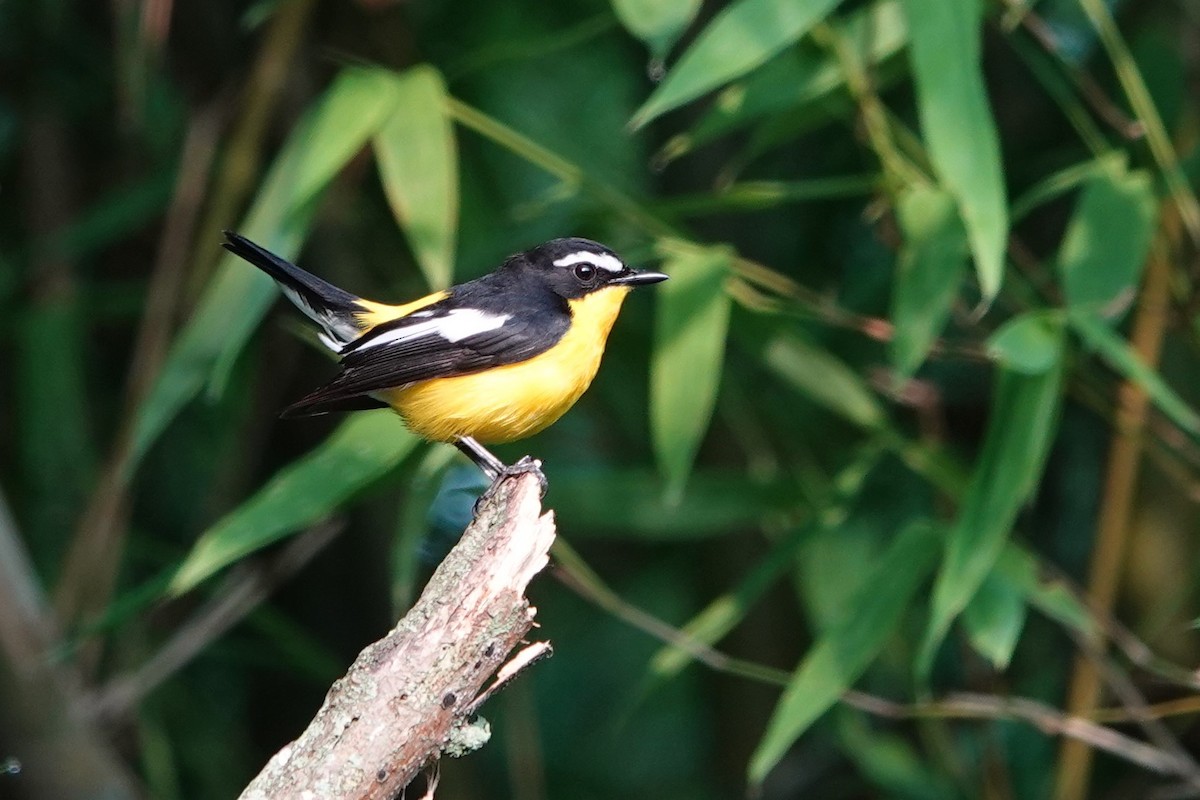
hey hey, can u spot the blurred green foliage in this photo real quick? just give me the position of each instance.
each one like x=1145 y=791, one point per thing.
x=923 y=379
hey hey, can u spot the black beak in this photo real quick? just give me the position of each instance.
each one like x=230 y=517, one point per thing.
x=635 y=277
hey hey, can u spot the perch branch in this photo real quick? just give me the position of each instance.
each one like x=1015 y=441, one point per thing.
x=411 y=696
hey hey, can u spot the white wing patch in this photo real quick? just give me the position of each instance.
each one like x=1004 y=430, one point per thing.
x=456 y=325
x=601 y=260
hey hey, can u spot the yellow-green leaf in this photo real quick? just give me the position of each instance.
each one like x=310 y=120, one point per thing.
x=994 y=619
x=238 y=296
x=418 y=162
x=1122 y=358
x=1107 y=241
x=800 y=80
x=658 y=23
x=927 y=275
x=846 y=649
x=363 y=449
x=825 y=379
x=1020 y=431
x=741 y=37
x=1030 y=343
x=957 y=125
x=691 y=319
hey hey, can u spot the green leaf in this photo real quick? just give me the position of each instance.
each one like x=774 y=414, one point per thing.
x=958 y=126
x=740 y=38
x=927 y=276
x=890 y=759
x=658 y=23
x=630 y=503
x=825 y=379
x=994 y=619
x=721 y=615
x=689 y=348
x=418 y=162
x=800 y=79
x=1019 y=568
x=1020 y=431
x=1030 y=343
x=362 y=450
x=846 y=649
x=1064 y=180
x=1117 y=353
x=238 y=296
x=1106 y=242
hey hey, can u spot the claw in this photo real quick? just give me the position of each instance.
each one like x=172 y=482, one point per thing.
x=527 y=465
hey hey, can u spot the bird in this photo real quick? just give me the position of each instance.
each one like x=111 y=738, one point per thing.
x=489 y=361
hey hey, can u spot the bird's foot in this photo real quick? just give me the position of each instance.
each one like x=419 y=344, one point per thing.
x=527 y=465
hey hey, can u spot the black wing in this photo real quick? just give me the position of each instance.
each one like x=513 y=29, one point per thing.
x=367 y=369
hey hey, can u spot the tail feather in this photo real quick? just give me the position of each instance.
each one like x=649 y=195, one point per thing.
x=334 y=309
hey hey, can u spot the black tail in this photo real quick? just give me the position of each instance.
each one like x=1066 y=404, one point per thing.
x=330 y=307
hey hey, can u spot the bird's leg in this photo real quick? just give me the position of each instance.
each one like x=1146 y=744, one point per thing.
x=481 y=457
x=495 y=469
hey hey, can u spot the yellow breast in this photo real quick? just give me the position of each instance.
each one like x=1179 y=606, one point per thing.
x=518 y=400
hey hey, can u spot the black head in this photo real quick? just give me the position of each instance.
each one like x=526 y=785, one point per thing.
x=573 y=268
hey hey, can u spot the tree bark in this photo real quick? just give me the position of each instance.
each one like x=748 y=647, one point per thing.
x=412 y=696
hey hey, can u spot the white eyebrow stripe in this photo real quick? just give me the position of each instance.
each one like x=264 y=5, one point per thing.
x=456 y=325
x=601 y=260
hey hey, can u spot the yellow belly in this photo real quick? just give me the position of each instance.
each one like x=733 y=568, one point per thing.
x=507 y=403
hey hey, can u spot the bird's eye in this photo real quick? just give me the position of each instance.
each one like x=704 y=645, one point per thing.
x=585 y=272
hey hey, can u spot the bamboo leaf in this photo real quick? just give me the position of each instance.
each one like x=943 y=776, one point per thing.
x=1117 y=353
x=1019 y=568
x=826 y=380
x=846 y=649
x=1106 y=243
x=1030 y=343
x=362 y=450
x=927 y=276
x=799 y=79
x=958 y=127
x=1020 y=431
x=418 y=162
x=689 y=348
x=721 y=615
x=658 y=23
x=238 y=295
x=994 y=618
x=741 y=37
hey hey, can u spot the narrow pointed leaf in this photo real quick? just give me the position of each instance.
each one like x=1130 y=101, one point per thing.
x=1117 y=353
x=238 y=295
x=363 y=449
x=824 y=379
x=418 y=162
x=658 y=23
x=957 y=125
x=1019 y=434
x=847 y=648
x=1030 y=343
x=1019 y=568
x=689 y=348
x=741 y=37
x=994 y=618
x=721 y=615
x=927 y=276
x=1107 y=242
x=800 y=79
